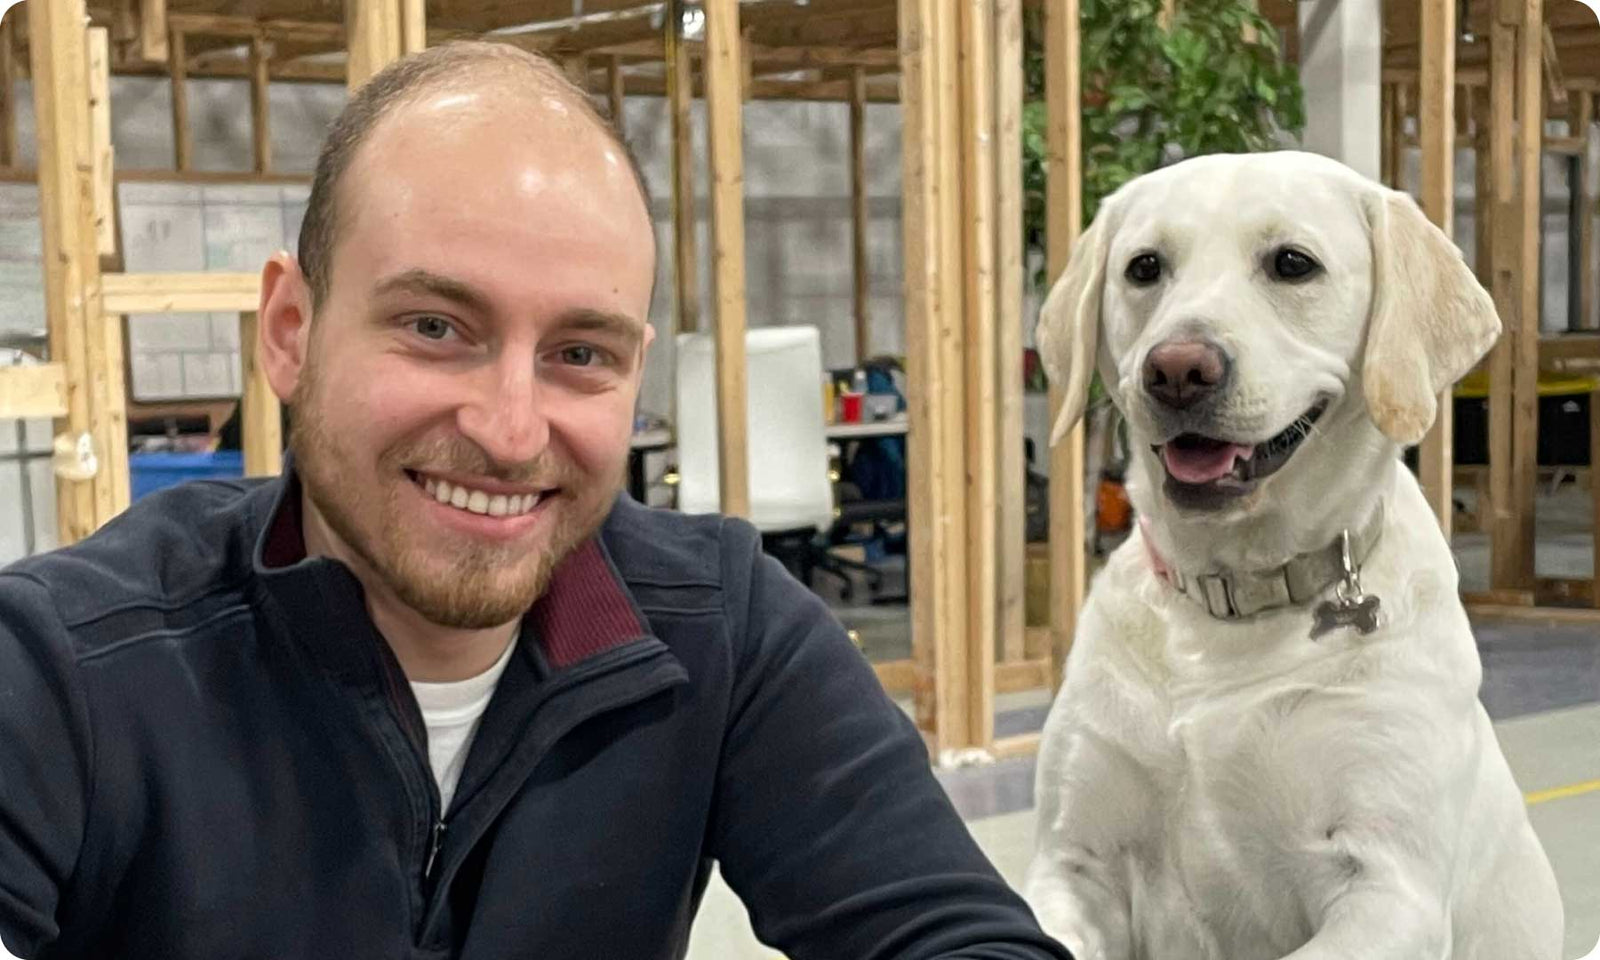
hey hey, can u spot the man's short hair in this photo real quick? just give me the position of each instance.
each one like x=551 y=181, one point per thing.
x=403 y=82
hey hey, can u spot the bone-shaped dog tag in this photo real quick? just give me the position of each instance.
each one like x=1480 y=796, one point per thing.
x=1360 y=612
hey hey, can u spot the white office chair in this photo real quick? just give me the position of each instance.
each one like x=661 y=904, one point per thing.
x=788 y=448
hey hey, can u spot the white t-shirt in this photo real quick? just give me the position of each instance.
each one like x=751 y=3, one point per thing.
x=451 y=712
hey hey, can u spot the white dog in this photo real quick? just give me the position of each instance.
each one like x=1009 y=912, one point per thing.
x=1269 y=743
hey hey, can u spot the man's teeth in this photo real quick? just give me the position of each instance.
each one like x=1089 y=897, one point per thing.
x=476 y=501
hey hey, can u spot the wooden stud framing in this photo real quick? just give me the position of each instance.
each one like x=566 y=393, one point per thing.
x=260 y=108
x=680 y=93
x=976 y=59
x=372 y=31
x=153 y=30
x=724 y=107
x=105 y=217
x=933 y=321
x=260 y=417
x=858 y=212
x=1582 y=119
x=8 y=91
x=1012 y=519
x=1436 y=131
x=182 y=138
x=1552 y=69
x=1388 y=145
x=1505 y=561
x=1525 y=373
x=413 y=26
x=1483 y=200
x=34 y=391
x=1064 y=219
x=179 y=292
x=616 y=95
x=58 y=50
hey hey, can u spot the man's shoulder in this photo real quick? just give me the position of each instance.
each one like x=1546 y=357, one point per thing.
x=167 y=551
x=666 y=549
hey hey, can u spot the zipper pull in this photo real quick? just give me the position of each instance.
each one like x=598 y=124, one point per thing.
x=434 y=843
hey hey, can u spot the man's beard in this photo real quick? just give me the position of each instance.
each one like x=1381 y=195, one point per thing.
x=462 y=585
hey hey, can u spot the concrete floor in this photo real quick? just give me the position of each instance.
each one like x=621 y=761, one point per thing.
x=1541 y=686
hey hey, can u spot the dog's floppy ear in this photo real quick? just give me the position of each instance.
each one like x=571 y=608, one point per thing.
x=1068 y=334
x=1431 y=319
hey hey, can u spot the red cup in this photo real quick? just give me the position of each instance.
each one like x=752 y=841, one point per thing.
x=850 y=407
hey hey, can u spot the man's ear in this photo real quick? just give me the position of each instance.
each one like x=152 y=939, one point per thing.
x=284 y=322
x=1431 y=319
x=1068 y=333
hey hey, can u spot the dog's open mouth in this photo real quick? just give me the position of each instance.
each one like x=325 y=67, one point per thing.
x=1203 y=470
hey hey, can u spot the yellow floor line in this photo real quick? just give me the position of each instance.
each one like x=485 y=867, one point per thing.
x=1562 y=793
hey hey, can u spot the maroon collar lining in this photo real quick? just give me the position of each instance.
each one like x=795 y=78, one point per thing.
x=586 y=610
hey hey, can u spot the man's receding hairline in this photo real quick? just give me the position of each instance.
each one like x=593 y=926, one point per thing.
x=456 y=65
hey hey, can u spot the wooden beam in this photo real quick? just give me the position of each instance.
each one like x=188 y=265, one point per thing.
x=57 y=46
x=1525 y=330
x=1064 y=218
x=331 y=35
x=1436 y=130
x=1014 y=676
x=32 y=392
x=179 y=292
x=1012 y=516
x=260 y=417
x=976 y=59
x=182 y=136
x=686 y=274
x=724 y=109
x=1584 y=202
x=935 y=536
x=1399 y=140
x=1021 y=745
x=105 y=213
x=372 y=33
x=1505 y=560
x=952 y=683
x=8 y=91
x=1552 y=70
x=1388 y=142
x=858 y=213
x=413 y=26
x=616 y=95
x=260 y=106
x=153 y=30
x=1537 y=615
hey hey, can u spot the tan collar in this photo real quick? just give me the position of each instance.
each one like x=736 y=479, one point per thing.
x=1234 y=595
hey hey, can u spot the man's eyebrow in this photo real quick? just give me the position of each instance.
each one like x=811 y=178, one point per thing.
x=600 y=321
x=422 y=281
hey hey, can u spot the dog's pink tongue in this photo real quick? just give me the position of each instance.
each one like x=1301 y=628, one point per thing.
x=1203 y=464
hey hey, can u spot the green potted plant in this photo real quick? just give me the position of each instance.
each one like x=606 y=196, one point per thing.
x=1215 y=81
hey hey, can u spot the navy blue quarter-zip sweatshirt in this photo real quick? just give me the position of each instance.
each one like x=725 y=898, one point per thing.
x=207 y=752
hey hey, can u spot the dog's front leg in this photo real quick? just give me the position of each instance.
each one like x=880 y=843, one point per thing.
x=1076 y=901
x=1390 y=919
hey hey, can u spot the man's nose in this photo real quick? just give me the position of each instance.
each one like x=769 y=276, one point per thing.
x=1181 y=372
x=507 y=416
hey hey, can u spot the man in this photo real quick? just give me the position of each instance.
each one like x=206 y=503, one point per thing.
x=440 y=691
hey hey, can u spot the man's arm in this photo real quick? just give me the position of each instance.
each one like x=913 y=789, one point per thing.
x=44 y=766
x=829 y=823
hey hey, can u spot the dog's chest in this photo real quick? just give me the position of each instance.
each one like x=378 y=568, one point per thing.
x=1236 y=829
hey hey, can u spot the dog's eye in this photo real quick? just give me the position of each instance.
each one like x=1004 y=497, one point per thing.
x=1144 y=269
x=1291 y=264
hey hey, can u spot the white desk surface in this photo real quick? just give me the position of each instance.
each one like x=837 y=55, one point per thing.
x=892 y=427
x=652 y=439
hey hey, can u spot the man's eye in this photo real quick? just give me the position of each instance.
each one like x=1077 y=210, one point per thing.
x=431 y=327
x=580 y=356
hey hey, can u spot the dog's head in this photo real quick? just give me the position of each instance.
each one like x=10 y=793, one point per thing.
x=1242 y=308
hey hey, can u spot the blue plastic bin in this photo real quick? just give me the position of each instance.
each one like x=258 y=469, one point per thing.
x=152 y=471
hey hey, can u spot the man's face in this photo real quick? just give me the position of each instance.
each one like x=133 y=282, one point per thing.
x=463 y=414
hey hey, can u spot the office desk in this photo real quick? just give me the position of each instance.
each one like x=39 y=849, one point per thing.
x=892 y=427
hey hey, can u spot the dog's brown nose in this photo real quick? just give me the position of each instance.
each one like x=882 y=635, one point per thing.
x=1181 y=373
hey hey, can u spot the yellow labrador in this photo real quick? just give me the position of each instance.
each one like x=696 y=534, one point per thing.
x=1269 y=743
